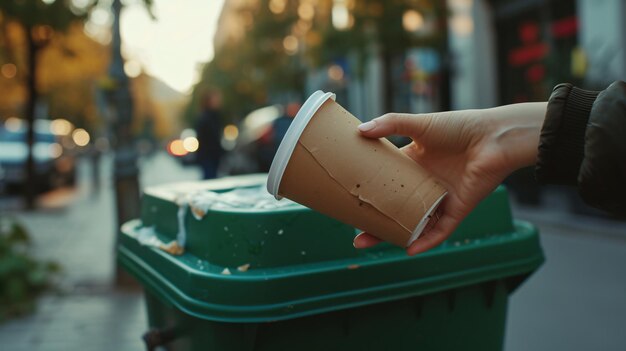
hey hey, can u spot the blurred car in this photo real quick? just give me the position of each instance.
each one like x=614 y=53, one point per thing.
x=251 y=144
x=54 y=164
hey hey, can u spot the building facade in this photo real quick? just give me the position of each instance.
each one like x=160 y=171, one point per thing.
x=517 y=50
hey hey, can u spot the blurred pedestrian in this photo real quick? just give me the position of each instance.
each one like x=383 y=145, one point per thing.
x=282 y=123
x=267 y=149
x=577 y=138
x=209 y=133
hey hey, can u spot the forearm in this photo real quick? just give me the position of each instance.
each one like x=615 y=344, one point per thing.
x=517 y=129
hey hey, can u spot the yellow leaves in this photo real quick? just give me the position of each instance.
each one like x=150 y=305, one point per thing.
x=71 y=57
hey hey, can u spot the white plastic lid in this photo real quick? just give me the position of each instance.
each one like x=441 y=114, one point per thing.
x=288 y=144
x=422 y=224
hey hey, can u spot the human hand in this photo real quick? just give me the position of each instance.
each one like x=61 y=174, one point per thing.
x=470 y=152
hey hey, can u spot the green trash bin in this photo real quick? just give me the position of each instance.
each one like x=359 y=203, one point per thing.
x=288 y=278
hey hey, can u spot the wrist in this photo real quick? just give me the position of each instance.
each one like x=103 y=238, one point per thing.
x=517 y=129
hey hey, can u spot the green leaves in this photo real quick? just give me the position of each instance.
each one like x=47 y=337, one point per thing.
x=30 y=13
x=22 y=277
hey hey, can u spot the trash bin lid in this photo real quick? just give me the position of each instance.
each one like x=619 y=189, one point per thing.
x=270 y=263
x=234 y=221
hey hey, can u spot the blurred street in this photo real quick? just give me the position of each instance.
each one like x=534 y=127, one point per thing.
x=75 y=228
x=574 y=302
x=100 y=99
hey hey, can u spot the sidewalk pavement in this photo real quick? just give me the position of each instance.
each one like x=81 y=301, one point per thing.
x=76 y=228
x=574 y=302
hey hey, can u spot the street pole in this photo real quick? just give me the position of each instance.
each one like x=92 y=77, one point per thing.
x=30 y=190
x=125 y=170
x=445 y=88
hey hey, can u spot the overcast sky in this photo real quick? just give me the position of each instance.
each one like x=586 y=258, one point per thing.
x=173 y=46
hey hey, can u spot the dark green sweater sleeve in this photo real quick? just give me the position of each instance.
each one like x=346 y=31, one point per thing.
x=583 y=143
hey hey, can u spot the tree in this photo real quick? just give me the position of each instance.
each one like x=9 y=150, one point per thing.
x=39 y=21
x=125 y=170
x=68 y=70
x=379 y=24
x=260 y=65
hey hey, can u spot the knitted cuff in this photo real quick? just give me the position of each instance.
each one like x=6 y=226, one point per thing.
x=562 y=143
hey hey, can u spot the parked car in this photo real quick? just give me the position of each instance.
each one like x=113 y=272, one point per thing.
x=253 y=148
x=54 y=162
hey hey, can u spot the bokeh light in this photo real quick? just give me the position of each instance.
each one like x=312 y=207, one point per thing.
x=335 y=72
x=101 y=16
x=13 y=124
x=177 y=148
x=191 y=144
x=80 y=137
x=290 y=43
x=341 y=17
x=60 y=127
x=231 y=132
x=8 y=70
x=412 y=21
x=277 y=6
x=462 y=25
x=132 y=68
x=80 y=3
x=306 y=11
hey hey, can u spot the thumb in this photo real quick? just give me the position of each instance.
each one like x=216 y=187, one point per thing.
x=396 y=124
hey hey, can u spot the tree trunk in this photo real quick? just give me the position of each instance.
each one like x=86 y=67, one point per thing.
x=30 y=186
x=125 y=170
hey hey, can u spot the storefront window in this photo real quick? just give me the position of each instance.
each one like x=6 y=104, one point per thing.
x=537 y=45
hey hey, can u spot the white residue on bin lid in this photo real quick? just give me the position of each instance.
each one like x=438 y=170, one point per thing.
x=181 y=237
x=146 y=236
x=201 y=202
x=244 y=267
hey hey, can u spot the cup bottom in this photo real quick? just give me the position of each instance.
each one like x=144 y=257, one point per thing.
x=425 y=220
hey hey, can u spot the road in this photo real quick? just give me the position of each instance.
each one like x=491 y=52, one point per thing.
x=574 y=302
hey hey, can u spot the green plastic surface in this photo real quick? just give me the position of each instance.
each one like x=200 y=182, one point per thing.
x=470 y=318
x=259 y=237
x=312 y=270
x=283 y=236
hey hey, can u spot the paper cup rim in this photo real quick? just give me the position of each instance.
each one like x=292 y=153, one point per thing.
x=288 y=144
x=424 y=221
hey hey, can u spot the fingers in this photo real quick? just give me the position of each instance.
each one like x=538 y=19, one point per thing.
x=435 y=236
x=395 y=124
x=429 y=239
x=413 y=150
x=365 y=240
x=449 y=218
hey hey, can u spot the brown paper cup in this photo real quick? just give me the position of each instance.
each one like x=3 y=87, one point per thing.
x=324 y=163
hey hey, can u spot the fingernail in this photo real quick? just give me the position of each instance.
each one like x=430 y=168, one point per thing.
x=364 y=127
x=354 y=241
